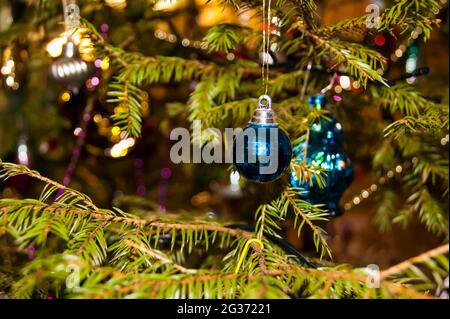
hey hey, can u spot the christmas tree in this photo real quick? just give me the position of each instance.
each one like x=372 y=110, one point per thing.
x=100 y=197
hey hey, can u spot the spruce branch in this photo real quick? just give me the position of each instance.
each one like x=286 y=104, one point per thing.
x=404 y=15
x=226 y=37
x=430 y=122
x=360 y=62
x=111 y=217
x=320 y=241
x=428 y=168
x=270 y=214
x=122 y=255
x=8 y=170
x=128 y=99
x=400 y=97
x=106 y=282
x=310 y=174
x=422 y=258
x=307 y=214
x=159 y=256
x=386 y=209
x=428 y=208
x=418 y=13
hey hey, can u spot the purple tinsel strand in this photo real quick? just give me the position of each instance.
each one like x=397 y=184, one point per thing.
x=76 y=152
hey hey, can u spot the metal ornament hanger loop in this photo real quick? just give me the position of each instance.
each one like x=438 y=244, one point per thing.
x=264 y=114
x=265 y=102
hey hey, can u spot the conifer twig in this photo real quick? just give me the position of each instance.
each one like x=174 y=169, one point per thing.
x=414 y=260
x=133 y=221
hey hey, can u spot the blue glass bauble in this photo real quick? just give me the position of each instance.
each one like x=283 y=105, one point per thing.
x=259 y=159
x=325 y=150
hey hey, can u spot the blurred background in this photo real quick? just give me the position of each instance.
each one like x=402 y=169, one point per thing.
x=69 y=137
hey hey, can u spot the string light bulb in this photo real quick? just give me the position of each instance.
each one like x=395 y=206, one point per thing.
x=8 y=70
x=121 y=148
x=366 y=193
x=22 y=152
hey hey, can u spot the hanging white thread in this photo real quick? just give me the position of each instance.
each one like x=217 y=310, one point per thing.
x=266 y=44
x=305 y=82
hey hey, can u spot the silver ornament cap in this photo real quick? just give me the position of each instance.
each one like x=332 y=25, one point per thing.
x=264 y=113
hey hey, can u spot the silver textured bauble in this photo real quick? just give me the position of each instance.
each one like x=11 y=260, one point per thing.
x=70 y=69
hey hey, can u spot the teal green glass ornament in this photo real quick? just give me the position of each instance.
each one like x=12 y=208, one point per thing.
x=325 y=150
x=262 y=152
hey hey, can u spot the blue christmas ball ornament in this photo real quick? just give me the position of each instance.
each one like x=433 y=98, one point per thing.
x=325 y=150
x=262 y=152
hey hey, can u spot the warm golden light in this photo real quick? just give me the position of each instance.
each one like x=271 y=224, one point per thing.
x=120 y=149
x=166 y=5
x=104 y=65
x=86 y=49
x=65 y=96
x=116 y=4
x=211 y=15
x=115 y=130
x=54 y=47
